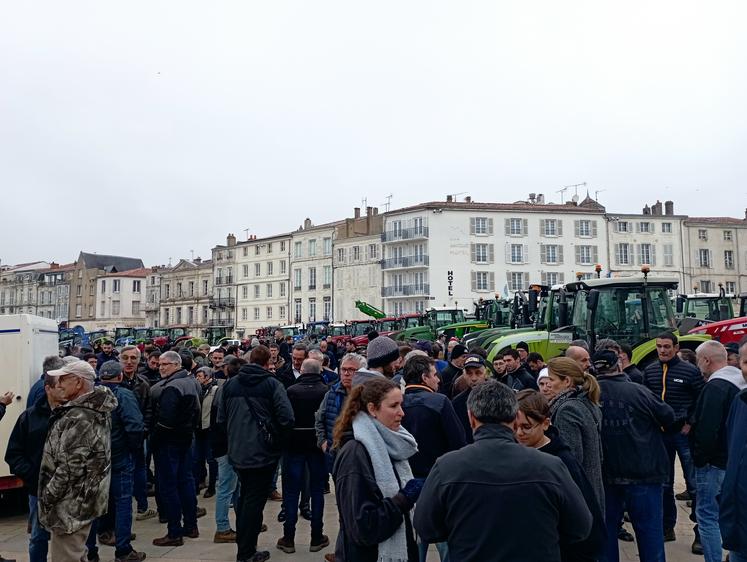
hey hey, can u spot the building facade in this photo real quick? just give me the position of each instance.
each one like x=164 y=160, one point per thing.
x=223 y=300
x=19 y=287
x=53 y=293
x=121 y=299
x=186 y=296
x=357 y=261
x=262 y=283
x=153 y=297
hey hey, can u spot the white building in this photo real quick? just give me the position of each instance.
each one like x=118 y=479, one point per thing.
x=653 y=237
x=53 y=293
x=357 y=264
x=262 y=283
x=153 y=297
x=223 y=303
x=186 y=299
x=452 y=253
x=121 y=296
x=311 y=272
x=19 y=285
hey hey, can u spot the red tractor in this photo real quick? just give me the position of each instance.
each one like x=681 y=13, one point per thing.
x=727 y=331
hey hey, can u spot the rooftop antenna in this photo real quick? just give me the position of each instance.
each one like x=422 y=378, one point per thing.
x=169 y=261
x=575 y=187
x=193 y=254
x=246 y=232
x=596 y=194
x=388 y=203
x=364 y=202
x=562 y=194
x=454 y=195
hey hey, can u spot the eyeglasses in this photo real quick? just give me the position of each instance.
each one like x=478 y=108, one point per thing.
x=526 y=428
x=349 y=370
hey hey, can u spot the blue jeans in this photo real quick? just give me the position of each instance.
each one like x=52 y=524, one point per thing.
x=677 y=444
x=119 y=515
x=644 y=505
x=140 y=482
x=441 y=547
x=225 y=492
x=39 y=539
x=176 y=487
x=293 y=483
x=708 y=480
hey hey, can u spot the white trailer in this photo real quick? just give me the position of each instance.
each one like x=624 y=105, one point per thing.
x=25 y=340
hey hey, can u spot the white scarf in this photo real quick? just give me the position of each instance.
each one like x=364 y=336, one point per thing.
x=389 y=451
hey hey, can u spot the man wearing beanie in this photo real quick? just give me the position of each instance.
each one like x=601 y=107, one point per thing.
x=453 y=370
x=382 y=353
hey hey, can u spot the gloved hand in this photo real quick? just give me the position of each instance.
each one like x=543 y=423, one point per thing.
x=413 y=488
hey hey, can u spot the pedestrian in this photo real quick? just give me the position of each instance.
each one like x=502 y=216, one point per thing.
x=475 y=373
x=535 y=363
x=302 y=454
x=374 y=486
x=732 y=520
x=499 y=367
x=575 y=412
x=115 y=527
x=430 y=418
x=544 y=383
x=74 y=474
x=328 y=375
x=635 y=458
x=24 y=455
x=382 y=354
x=150 y=370
x=176 y=411
x=516 y=376
x=679 y=384
x=289 y=374
x=205 y=477
x=580 y=355
x=50 y=363
x=629 y=368
x=708 y=440
x=256 y=418
x=534 y=429
x=454 y=369
x=107 y=353
x=493 y=480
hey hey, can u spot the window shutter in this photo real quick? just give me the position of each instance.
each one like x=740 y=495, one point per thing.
x=508 y=281
x=525 y=227
x=561 y=278
x=525 y=254
x=578 y=254
x=542 y=227
x=472 y=225
x=559 y=227
x=638 y=255
x=543 y=278
x=710 y=258
x=617 y=254
x=594 y=254
x=490 y=226
x=508 y=252
x=576 y=227
x=491 y=253
x=508 y=227
x=593 y=229
x=560 y=253
x=543 y=254
x=473 y=252
x=637 y=227
x=652 y=227
x=473 y=275
x=491 y=281
x=526 y=281
x=653 y=255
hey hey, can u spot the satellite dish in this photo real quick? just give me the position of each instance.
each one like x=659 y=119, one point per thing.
x=574 y=198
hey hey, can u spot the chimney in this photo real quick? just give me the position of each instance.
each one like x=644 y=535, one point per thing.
x=646 y=210
x=745 y=214
x=197 y=260
x=540 y=199
x=54 y=265
x=532 y=197
x=357 y=212
x=449 y=198
x=375 y=211
x=656 y=208
x=468 y=199
x=669 y=208
x=368 y=211
x=230 y=240
x=307 y=222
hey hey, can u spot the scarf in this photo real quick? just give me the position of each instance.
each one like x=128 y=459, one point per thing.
x=562 y=398
x=389 y=451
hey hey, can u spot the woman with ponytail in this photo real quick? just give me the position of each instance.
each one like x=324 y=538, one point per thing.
x=374 y=486
x=575 y=412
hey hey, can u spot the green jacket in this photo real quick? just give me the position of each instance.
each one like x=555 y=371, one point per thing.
x=76 y=463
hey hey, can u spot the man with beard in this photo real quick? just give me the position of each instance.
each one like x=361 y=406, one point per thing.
x=382 y=355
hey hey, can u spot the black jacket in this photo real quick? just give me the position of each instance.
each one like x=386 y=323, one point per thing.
x=449 y=374
x=460 y=409
x=431 y=419
x=634 y=373
x=176 y=410
x=590 y=549
x=733 y=499
x=127 y=426
x=520 y=379
x=494 y=480
x=680 y=389
x=140 y=387
x=235 y=424
x=632 y=423
x=708 y=434
x=305 y=397
x=367 y=518
x=26 y=443
x=286 y=375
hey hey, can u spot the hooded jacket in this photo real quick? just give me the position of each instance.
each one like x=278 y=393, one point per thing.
x=708 y=434
x=26 y=443
x=733 y=498
x=76 y=463
x=235 y=424
x=679 y=388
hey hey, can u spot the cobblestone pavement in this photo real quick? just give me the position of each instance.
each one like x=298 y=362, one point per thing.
x=13 y=539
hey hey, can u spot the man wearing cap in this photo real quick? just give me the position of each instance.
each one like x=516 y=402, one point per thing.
x=75 y=468
x=106 y=354
x=382 y=354
x=475 y=372
x=453 y=370
x=632 y=422
x=732 y=354
x=516 y=376
x=115 y=528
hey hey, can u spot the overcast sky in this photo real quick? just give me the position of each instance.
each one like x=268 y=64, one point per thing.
x=150 y=129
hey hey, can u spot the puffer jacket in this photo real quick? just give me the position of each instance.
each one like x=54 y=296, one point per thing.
x=76 y=463
x=680 y=387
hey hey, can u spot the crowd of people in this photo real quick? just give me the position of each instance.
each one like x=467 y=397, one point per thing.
x=423 y=445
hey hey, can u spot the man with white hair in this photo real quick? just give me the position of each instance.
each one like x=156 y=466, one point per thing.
x=708 y=440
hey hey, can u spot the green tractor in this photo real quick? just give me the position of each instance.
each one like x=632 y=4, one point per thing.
x=489 y=314
x=701 y=308
x=433 y=320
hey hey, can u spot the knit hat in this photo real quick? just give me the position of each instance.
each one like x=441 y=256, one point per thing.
x=457 y=352
x=543 y=374
x=523 y=345
x=110 y=370
x=604 y=361
x=381 y=351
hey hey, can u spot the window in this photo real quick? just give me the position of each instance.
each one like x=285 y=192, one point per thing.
x=269 y=268
x=103 y=286
x=78 y=309
x=397 y=229
x=268 y=290
x=551 y=253
x=297 y=250
x=256 y=313
x=327 y=246
x=166 y=317
x=256 y=291
x=245 y=253
x=269 y=247
x=622 y=254
x=312 y=278
x=483 y=281
x=190 y=315
x=646 y=254
x=552 y=278
x=168 y=291
x=282 y=289
x=80 y=276
x=178 y=314
x=297 y=280
x=703 y=234
x=103 y=308
x=706 y=286
x=245 y=271
x=312 y=309
x=728 y=259
x=340 y=255
x=551 y=227
x=623 y=226
x=191 y=288
x=516 y=227
x=281 y=313
x=646 y=227
x=205 y=287
x=704 y=258
x=727 y=235
x=327 y=303
x=245 y=291
x=243 y=314
x=584 y=255
x=356 y=253
x=282 y=245
x=79 y=290
x=481 y=226
x=256 y=249
x=312 y=248
x=668 y=255
x=666 y=227
x=327 y=276
x=373 y=251
x=257 y=269
x=268 y=311
x=730 y=287
x=178 y=289
x=115 y=308
x=283 y=266
x=480 y=253
x=586 y=228
x=204 y=314
x=517 y=253
x=517 y=280
x=115 y=285
x=135 y=308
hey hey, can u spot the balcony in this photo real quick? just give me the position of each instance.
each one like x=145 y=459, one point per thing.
x=223 y=322
x=224 y=280
x=405 y=261
x=416 y=290
x=312 y=287
x=151 y=306
x=413 y=233
x=222 y=302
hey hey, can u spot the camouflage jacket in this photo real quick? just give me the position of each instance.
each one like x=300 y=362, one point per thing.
x=76 y=463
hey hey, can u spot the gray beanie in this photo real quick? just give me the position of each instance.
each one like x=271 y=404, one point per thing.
x=381 y=351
